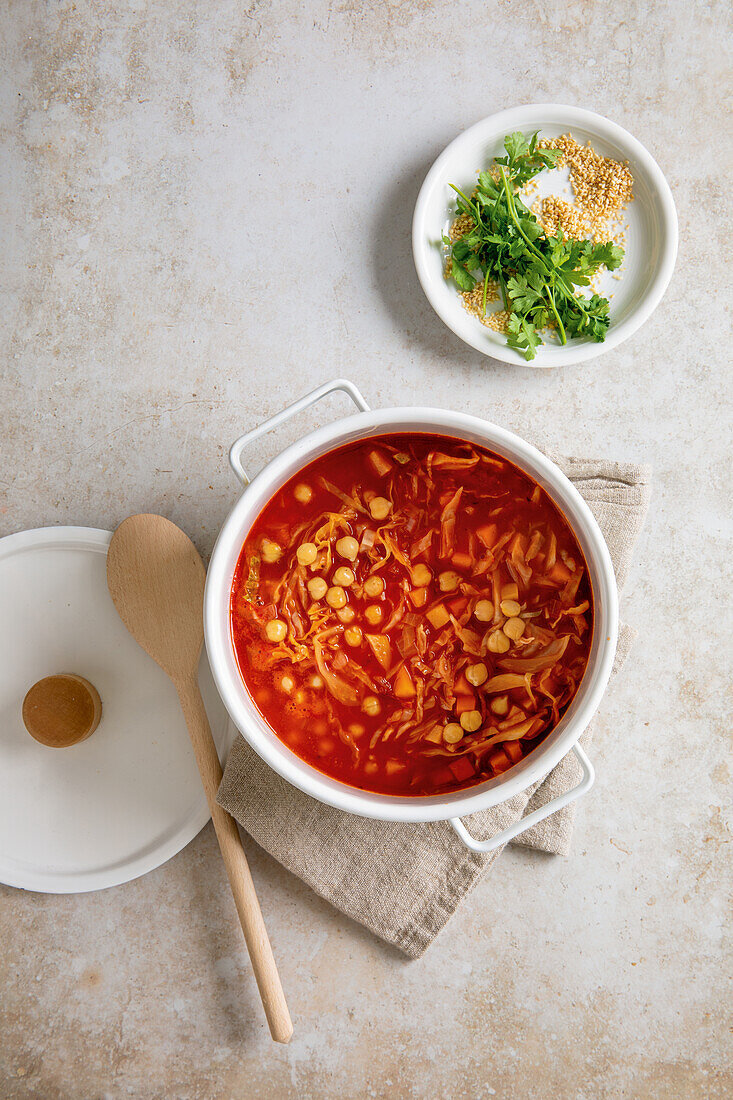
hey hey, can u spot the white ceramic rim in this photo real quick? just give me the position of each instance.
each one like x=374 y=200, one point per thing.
x=73 y=882
x=241 y=707
x=520 y=118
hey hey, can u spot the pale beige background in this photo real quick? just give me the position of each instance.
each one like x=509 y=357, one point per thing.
x=206 y=211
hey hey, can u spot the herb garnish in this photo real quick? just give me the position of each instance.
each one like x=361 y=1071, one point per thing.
x=538 y=275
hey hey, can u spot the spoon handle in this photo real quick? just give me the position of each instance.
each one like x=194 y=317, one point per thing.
x=235 y=861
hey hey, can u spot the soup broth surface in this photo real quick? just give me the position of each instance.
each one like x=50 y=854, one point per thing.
x=411 y=614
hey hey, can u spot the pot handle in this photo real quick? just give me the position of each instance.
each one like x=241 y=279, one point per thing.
x=531 y=819
x=236 y=449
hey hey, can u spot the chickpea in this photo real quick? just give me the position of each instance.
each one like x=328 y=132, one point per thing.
x=421 y=575
x=380 y=507
x=373 y=586
x=347 y=547
x=448 y=581
x=484 y=611
x=316 y=681
x=371 y=706
x=500 y=705
x=276 y=630
x=271 y=551
x=287 y=684
x=356 y=729
x=373 y=614
x=317 y=587
x=307 y=553
x=498 y=642
x=343 y=576
x=336 y=597
x=303 y=493
x=477 y=674
x=471 y=720
x=346 y=614
x=452 y=733
x=352 y=636
x=510 y=608
x=514 y=629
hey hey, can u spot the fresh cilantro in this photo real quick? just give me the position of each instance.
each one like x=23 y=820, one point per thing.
x=522 y=335
x=538 y=275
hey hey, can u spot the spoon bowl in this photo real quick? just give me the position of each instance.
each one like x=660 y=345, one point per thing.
x=156 y=579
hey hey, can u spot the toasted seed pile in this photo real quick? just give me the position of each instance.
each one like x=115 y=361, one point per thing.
x=601 y=187
x=460 y=227
x=473 y=301
x=555 y=213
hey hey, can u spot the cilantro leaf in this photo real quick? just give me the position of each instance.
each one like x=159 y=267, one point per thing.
x=461 y=277
x=522 y=336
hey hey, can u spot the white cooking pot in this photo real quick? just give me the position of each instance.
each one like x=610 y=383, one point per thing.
x=254 y=728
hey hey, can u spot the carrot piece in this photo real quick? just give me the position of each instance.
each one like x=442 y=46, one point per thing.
x=487 y=533
x=464 y=703
x=403 y=685
x=458 y=605
x=514 y=751
x=461 y=560
x=559 y=572
x=437 y=616
x=462 y=686
x=499 y=760
x=462 y=768
x=509 y=592
x=419 y=596
x=380 y=463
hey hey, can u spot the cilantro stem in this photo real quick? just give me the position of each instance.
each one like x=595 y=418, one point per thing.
x=469 y=204
x=486 y=287
x=513 y=215
x=502 y=284
x=561 y=327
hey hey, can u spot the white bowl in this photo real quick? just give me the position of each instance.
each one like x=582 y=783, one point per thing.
x=651 y=238
x=258 y=492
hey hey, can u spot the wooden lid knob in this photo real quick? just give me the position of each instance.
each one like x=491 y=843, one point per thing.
x=62 y=710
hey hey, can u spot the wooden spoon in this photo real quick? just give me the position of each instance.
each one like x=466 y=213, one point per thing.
x=156 y=579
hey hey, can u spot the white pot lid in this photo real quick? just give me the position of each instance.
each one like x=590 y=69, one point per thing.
x=121 y=803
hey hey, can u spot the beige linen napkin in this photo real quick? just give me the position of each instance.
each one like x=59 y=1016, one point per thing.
x=404 y=882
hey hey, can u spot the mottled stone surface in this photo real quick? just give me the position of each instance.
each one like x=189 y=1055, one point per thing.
x=205 y=211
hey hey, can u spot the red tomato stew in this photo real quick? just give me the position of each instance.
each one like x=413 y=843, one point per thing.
x=411 y=614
